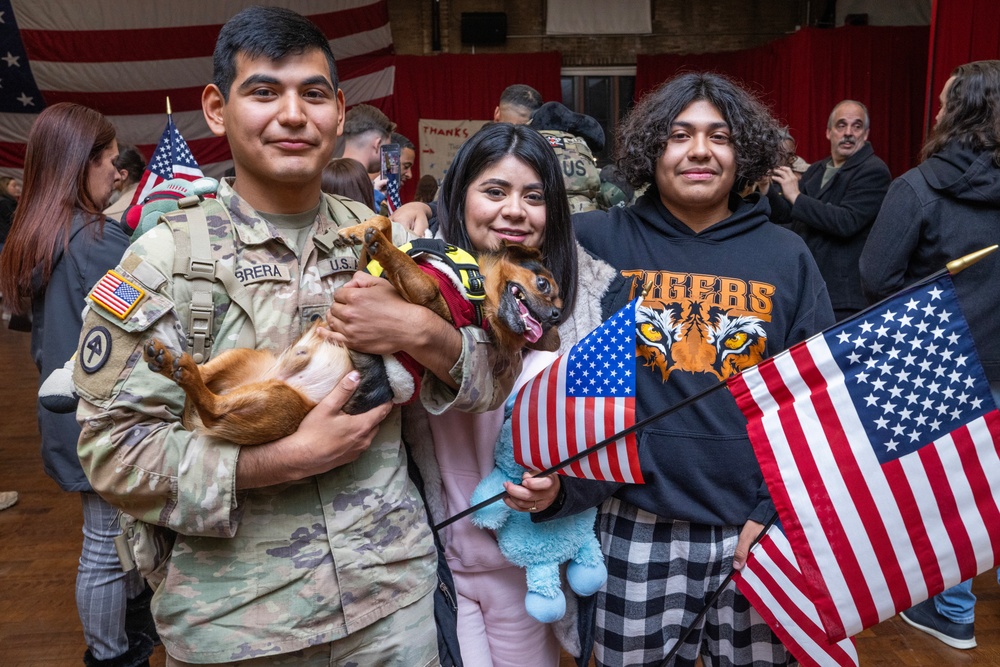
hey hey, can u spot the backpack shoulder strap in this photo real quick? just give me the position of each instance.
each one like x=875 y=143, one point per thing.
x=197 y=264
x=346 y=212
x=354 y=210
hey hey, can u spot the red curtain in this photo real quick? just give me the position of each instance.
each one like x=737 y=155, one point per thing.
x=805 y=74
x=464 y=87
x=961 y=31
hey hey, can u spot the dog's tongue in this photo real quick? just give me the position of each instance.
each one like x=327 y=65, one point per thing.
x=533 y=330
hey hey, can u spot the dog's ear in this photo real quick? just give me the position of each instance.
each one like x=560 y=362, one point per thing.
x=549 y=342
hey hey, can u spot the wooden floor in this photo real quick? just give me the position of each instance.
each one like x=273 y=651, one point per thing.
x=40 y=544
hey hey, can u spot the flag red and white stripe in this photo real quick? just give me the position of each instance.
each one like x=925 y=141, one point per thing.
x=773 y=584
x=582 y=398
x=878 y=442
x=125 y=58
x=171 y=159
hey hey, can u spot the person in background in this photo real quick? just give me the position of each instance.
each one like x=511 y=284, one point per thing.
x=365 y=130
x=574 y=137
x=131 y=164
x=705 y=252
x=10 y=192
x=834 y=205
x=59 y=246
x=797 y=164
x=427 y=188
x=348 y=178
x=517 y=103
x=407 y=156
x=945 y=208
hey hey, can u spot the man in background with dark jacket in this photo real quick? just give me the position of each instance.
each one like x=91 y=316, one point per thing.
x=835 y=203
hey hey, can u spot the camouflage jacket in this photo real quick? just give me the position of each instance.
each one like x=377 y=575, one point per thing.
x=579 y=170
x=275 y=569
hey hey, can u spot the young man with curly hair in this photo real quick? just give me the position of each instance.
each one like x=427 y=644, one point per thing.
x=726 y=289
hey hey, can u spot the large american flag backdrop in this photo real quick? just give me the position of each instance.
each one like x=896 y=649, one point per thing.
x=878 y=441
x=124 y=58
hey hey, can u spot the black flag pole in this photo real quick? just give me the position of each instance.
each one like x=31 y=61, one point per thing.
x=953 y=267
x=588 y=451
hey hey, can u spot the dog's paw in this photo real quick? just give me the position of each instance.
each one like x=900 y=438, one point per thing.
x=372 y=241
x=350 y=236
x=184 y=370
x=157 y=356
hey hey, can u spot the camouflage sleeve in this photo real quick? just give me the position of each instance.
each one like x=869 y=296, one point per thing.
x=480 y=389
x=132 y=445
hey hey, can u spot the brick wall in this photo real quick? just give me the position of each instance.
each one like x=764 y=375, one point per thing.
x=679 y=26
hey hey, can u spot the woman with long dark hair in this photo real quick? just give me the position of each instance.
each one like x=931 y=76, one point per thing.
x=59 y=246
x=945 y=208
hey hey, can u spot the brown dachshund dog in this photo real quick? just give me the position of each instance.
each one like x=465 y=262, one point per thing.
x=251 y=397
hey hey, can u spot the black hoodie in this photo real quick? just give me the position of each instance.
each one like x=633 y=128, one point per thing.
x=947 y=207
x=722 y=299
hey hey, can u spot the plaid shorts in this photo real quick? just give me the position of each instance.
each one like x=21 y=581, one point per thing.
x=659 y=575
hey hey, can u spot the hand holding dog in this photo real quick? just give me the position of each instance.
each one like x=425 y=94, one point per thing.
x=414 y=215
x=311 y=450
x=368 y=315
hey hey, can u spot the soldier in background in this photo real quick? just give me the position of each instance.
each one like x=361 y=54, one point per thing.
x=517 y=103
x=575 y=137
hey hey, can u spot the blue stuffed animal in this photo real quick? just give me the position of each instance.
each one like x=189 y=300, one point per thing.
x=540 y=548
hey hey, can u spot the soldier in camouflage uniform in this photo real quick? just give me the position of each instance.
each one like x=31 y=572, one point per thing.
x=313 y=549
x=575 y=137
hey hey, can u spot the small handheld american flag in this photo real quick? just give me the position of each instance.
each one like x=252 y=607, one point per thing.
x=172 y=159
x=583 y=397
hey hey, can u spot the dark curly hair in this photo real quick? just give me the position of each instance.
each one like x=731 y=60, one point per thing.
x=755 y=134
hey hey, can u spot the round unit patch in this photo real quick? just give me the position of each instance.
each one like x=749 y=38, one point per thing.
x=95 y=350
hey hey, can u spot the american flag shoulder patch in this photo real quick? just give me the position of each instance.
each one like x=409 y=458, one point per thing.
x=117 y=294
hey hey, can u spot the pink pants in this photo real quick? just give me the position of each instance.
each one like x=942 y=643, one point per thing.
x=494 y=630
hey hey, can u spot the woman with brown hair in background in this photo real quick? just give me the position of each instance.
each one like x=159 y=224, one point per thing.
x=944 y=208
x=59 y=246
x=347 y=177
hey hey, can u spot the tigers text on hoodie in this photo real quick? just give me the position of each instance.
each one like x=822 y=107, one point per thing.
x=719 y=301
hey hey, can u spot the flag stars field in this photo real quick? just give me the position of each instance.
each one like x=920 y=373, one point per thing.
x=880 y=448
x=883 y=375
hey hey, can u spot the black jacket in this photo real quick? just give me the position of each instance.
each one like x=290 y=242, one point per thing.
x=744 y=272
x=834 y=221
x=57 y=317
x=7 y=206
x=947 y=207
